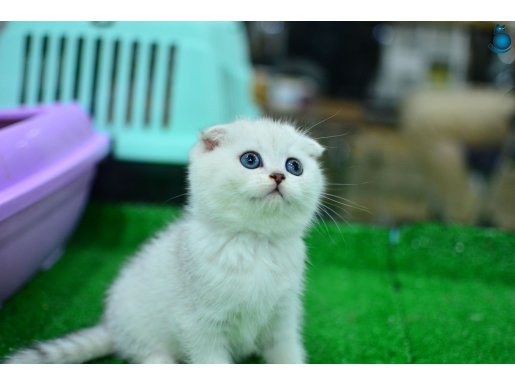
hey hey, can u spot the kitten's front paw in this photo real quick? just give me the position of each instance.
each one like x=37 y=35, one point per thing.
x=285 y=353
x=211 y=358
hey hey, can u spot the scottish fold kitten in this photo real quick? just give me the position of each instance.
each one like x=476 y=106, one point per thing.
x=226 y=280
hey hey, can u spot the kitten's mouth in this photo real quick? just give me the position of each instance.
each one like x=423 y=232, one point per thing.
x=275 y=192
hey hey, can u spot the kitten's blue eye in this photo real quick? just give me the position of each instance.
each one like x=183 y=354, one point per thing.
x=293 y=166
x=250 y=160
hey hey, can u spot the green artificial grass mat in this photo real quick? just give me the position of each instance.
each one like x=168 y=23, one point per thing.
x=430 y=293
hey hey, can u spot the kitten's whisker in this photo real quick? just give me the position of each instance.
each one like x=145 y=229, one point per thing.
x=348 y=184
x=338 y=214
x=330 y=216
x=328 y=233
x=332 y=136
x=316 y=218
x=339 y=205
x=177 y=196
x=337 y=189
x=343 y=198
x=328 y=206
x=348 y=202
x=325 y=225
x=322 y=121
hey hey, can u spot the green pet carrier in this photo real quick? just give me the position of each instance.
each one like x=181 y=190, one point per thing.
x=151 y=85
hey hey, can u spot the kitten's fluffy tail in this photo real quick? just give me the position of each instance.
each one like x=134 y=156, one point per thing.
x=81 y=346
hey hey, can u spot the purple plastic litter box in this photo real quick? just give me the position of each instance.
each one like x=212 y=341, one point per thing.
x=48 y=157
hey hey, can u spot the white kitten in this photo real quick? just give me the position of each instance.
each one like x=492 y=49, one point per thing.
x=225 y=281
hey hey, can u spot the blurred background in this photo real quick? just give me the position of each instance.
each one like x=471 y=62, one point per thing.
x=417 y=117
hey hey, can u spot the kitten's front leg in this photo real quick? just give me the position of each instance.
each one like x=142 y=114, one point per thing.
x=207 y=346
x=211 y=357
x=283 y=344
x=285 y=351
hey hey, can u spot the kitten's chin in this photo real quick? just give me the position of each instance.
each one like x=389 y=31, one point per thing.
x=275 y=194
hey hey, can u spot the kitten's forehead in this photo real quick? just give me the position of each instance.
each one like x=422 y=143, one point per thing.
x=264 y=133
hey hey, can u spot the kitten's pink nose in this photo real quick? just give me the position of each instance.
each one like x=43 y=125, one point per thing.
x=278 y=177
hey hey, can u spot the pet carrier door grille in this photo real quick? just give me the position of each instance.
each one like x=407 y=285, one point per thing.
x=151 y=85
x=109 y=79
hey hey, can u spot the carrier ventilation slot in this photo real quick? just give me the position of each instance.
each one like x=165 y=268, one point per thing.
x=113 y=77
x=78 y=68
x=150 y=83
x=60 y=69
x=94 y=79
x=167 y=106
x=43 y=68
x=81 y=67
x=132 y=83
x=27 y=51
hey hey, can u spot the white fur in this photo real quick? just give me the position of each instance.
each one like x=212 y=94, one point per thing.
x=225 y=281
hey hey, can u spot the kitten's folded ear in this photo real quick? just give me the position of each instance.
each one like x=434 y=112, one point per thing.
x=212 y=137
x=313 y=148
